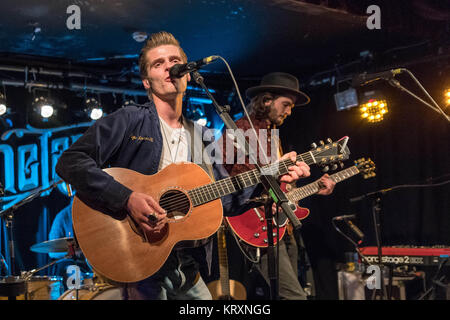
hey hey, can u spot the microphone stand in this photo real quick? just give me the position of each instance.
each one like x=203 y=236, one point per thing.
x=268 y=181
x=8 y=214
x=376 y=209
x=395 y=83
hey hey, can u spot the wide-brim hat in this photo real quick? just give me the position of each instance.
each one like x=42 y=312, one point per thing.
x=280 y=82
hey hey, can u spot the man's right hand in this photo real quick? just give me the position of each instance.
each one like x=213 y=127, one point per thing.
x=146 y=212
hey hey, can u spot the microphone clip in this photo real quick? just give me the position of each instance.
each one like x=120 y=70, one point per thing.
x=262 y=199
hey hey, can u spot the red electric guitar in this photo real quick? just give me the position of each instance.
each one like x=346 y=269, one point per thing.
x=251 y=225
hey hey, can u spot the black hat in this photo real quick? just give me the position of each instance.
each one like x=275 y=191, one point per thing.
x=280 y=82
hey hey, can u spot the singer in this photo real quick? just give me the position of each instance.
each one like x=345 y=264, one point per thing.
x=271 y=103
x=110 y=142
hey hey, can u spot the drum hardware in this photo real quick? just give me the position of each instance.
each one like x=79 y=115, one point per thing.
x=27 y=275
x=30 y=287
x=12 y=287
x=8 y=215
x=102 y=291
x=53 y=246
x=92 y=287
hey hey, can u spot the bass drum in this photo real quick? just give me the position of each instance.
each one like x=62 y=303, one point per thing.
x=96 y=293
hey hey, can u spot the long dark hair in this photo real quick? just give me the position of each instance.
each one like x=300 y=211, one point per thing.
x=258 y=107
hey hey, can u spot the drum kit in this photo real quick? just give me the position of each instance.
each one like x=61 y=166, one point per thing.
x=28 y=286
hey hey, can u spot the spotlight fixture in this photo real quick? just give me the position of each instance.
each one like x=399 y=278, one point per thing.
x=140 y=36
x=374 y=110
x=447 y=97
x=3 y=107
x=128 y=102
x=44 y=107
x=93 y=108
x=373 y=106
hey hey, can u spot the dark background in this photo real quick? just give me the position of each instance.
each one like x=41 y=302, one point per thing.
x=323 y=43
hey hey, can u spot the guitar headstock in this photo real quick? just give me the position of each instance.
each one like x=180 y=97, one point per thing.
x=330 y=153
x=366 y=167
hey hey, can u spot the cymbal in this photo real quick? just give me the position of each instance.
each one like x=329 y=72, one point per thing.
x=56 y=245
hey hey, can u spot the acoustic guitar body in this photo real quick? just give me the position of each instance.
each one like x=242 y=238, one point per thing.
x=118 y=250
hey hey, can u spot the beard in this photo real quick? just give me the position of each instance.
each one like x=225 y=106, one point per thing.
x=275 y=118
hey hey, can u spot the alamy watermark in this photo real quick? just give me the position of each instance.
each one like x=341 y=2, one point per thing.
x=230 y=148
x=374 y=280
x=74 y=277
x=74 y=20
x=374 y=20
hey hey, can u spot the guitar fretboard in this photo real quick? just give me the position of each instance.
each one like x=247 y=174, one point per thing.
x=312 y=188
x=215 y=190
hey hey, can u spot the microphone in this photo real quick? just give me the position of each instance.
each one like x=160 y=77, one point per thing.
x=365 y=78
x=179 y=70
x=355 y=229
x=344 y=217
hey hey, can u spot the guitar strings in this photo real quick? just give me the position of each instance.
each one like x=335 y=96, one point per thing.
x=203 y=192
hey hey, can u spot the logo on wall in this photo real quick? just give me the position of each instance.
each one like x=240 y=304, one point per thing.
x=29 y=159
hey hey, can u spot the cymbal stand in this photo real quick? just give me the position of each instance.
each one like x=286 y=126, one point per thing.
x=26 y=275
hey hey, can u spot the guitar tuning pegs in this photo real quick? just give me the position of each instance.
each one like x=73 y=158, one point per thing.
x=334 y=167
x=313 y=145
x=341 y=164
x=322 y=143
x=326 y=168
x=329 y=140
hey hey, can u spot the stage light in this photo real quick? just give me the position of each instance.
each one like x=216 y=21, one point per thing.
x=44 y=107
x=374 y=110
x=96 y=113
x=447 y=97
x=128 y=102
x=93 y=108
x=202 y=121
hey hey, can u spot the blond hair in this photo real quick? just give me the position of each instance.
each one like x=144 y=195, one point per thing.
x=155 y=40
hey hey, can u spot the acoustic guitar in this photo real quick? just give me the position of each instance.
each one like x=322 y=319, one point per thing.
x=225 y=288
x=251 y=226
x=120 y=251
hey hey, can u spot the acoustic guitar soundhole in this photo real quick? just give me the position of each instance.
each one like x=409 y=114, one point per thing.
x=176 y=203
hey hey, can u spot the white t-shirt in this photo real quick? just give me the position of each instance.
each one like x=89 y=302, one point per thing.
x=175 y=145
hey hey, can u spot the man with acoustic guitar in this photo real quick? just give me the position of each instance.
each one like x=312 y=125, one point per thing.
x=271 y=103
x=148 y=139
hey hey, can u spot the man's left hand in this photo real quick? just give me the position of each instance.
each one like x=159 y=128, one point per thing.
x=326 y=185
x=299 y=170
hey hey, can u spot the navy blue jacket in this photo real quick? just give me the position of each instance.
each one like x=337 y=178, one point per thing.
x=128 y=138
